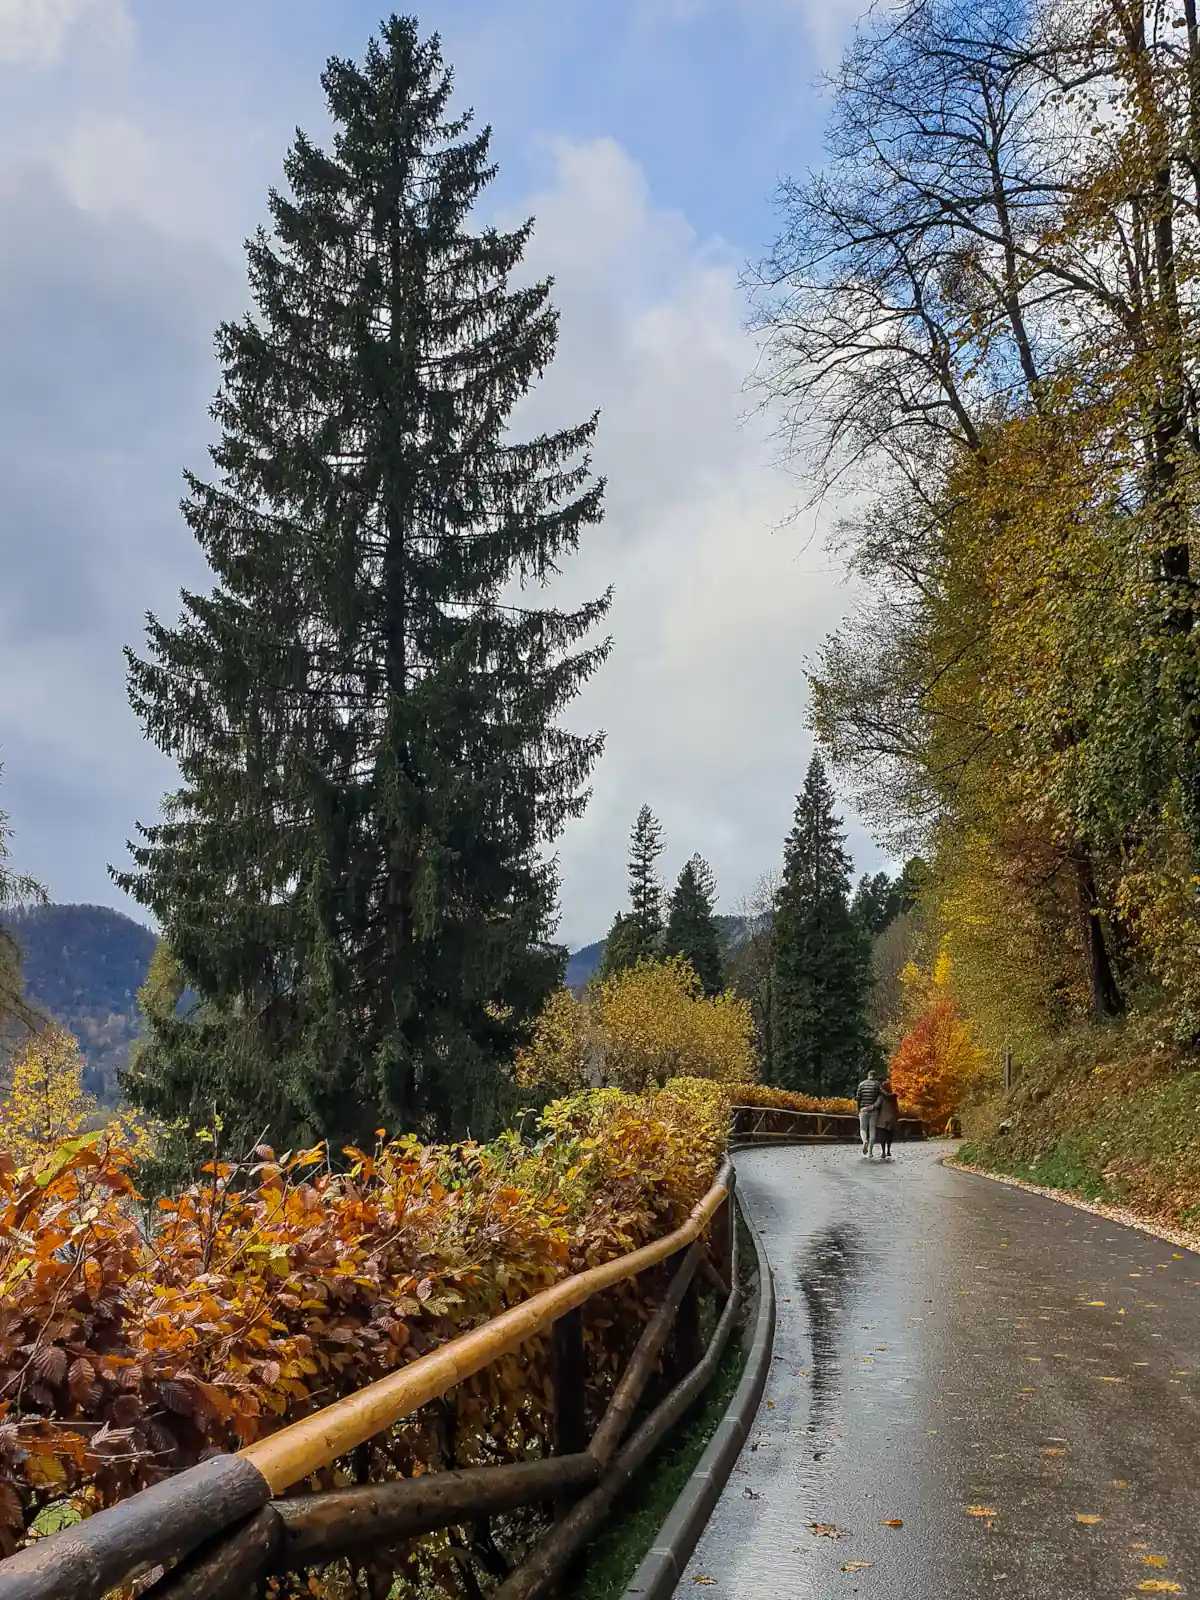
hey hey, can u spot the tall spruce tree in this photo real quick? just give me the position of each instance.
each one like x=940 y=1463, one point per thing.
x=691 y=930
x=636 y=934
x=820 y=1042
x=364 y=710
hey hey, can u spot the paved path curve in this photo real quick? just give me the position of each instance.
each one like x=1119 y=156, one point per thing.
x=939 y=1347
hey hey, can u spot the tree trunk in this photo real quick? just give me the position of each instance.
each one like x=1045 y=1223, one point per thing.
x=1107 y=1000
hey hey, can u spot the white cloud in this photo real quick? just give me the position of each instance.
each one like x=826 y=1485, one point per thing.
x=715 y=610
x=37 y=32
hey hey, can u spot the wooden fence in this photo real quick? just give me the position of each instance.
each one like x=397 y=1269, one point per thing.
x=218 y=1530
x=770 y=1124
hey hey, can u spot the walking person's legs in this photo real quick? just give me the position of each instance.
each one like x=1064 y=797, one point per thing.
x=866 y=1126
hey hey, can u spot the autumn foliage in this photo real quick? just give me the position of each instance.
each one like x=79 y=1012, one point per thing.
x=938 y=1058
x=127 y=1351
x=639 y=1028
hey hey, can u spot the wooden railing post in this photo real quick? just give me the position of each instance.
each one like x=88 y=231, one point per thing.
x=722 y=1238
x=689 y=1346
x=569 y=1373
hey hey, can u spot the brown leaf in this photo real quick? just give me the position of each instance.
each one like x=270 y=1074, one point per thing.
x=827 y=1530
x=50 y=1363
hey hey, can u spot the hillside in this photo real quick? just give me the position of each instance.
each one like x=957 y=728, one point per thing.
x=83 y=965
x=1107 y=1114
x=584 y=963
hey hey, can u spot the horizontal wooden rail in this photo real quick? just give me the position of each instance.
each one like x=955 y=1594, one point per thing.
x=766 y=1124
x=292 y=1454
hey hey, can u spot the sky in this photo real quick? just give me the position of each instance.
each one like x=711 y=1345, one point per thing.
x=138 y=141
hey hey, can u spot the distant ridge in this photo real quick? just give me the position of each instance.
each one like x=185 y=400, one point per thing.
x=585 y=963
x=82 y=966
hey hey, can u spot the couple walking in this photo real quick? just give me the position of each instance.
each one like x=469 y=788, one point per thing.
x=878 y=1114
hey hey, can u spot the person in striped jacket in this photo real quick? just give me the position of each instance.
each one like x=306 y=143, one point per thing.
x=869 y=1091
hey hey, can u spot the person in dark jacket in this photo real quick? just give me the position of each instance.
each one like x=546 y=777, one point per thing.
x=887 y=1115
x=869 y=1091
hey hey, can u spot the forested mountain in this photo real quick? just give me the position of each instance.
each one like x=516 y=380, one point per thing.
x=584 y=963
x=83 y=965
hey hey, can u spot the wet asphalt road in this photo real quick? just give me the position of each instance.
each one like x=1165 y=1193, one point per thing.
x=940 y=1359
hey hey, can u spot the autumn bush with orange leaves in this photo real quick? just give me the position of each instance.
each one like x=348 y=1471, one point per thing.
x=132 y=1345
x=938 y=1058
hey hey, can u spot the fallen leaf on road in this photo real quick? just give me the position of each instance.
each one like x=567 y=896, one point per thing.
x=1155 y=1561
x=892 y=1522
x=1095 y=1302
x=855 y=1566
x=1120 y=1483
x=1102 y=1380
x=827 y=1530
x=699 y=1579
x=982 y=1511
x=1160 y=1586
x=1054 y=1452
x=770 y=1405
x=1087 y=1517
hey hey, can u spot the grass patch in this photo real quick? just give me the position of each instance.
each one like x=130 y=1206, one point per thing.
x=610 y=1561
x=1068 y=1166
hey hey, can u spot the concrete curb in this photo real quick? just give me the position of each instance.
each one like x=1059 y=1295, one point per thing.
x=664 y=1563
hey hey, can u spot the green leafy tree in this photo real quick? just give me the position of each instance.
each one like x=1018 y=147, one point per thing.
x=820 y=970
x=365 y=709
x=691 y=930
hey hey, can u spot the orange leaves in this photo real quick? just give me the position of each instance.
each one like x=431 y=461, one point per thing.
x=131 y=1341
x=935 y=1060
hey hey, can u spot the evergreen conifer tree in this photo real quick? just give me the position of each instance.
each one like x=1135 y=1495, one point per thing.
x=636 y=934
x=623 y=946
x=364 y=709
x=820 y=1042
x=645 y=891
x=691 y=929
x=876 y=902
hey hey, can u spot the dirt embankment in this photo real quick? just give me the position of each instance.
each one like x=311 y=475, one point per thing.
x=1110 y=1114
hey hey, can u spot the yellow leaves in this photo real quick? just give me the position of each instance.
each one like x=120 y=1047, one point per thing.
x=892 y=1522
x=982 y=1511
x=638 y=1028
x=1159 y=1586
x=856 y=1566
x=45 y=1472
x=46 y=1100
x=1154 y=1561
x=1087 y=1518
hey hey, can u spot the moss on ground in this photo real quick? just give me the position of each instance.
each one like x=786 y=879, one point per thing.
x=1109 y=1114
